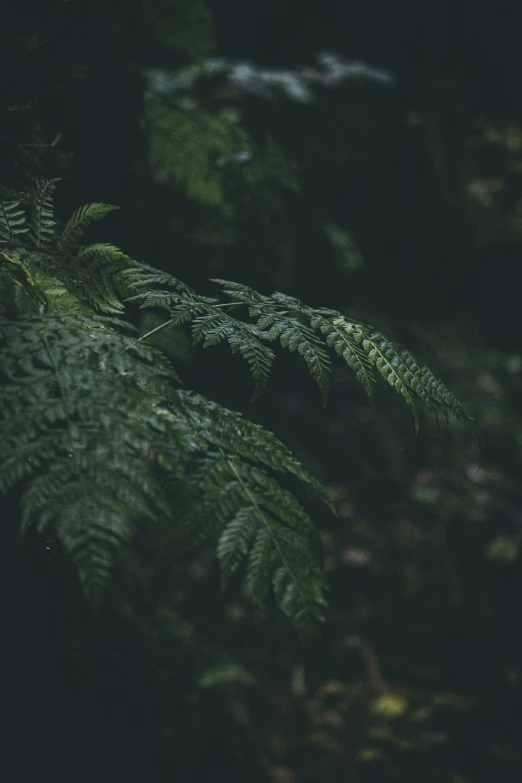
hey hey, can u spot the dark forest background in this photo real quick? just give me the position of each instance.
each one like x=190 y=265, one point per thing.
x=407 y=213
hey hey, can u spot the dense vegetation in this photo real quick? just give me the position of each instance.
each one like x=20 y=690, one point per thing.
x=279 y=199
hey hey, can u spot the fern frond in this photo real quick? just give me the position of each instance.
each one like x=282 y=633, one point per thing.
x=18 y=269
x=286 y=319
x=159 y=289
x=287 y=327
x=352 y=353
x=90 y=422
x=99 y=441
x=191 y=146
x=266 y=526
x=97 y=270
x=236 y=541
x=142 y=276
x=362 y=347
x=42 y=224
x=211 y=325
x=58 y=297
x=216 y=327
x=182 y=307
x=229 y=430
x=396 y=365
x=82 y=218
x=91 y=544
x=82 y=428
x=23 y=295
x=13 y=222
x=282 y=559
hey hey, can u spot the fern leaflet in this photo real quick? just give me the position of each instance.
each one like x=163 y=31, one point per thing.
x=42 y=224
x=13 y=221
x=80 y=219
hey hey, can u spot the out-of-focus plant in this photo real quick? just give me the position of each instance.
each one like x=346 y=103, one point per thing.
x=495 y=188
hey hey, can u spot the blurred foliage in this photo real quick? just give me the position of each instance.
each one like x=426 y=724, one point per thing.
x=184 y=27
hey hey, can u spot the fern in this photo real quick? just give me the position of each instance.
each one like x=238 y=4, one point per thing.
x=13 y=221
x=58 y=273
x=97 y=269
x=254 y=508
x=101 y=442
x=310 y=331
x=80 y=219
x=287 y=325
x=200 y=151
x=352 y=353
x=216 y=327
x=193 y=146
x=42 y=224
x=77 y=421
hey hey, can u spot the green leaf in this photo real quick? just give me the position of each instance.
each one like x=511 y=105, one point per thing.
x=82 y=218
x=42 y=224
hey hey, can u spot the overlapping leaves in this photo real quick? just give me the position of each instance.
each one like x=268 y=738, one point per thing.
x=96 y=435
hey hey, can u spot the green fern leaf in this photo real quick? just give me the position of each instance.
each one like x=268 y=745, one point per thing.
x=399 y=368
x=85 y=404
x=192 y=146
x=98 y=268
x=98 y=441
x=13 y=222
x=80 y=219
x=142 y=276
x=81 y=416
x=352 y=353
x=42 y=224
x=282 y=559
x=286 y=319
x=236 y=541
x=216 y=327
x=229 y=430
x=296 y=336
x=362 y=347
x=260 y=568
x=101 y=529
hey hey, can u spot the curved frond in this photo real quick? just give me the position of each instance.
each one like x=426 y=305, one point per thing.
x=267 y=528
x=230 y=430
x=42 y=223
x=394 y=363
x=363 y=348
x=81 y=431
x=82 y=218
x=13 y=221
x=97 y=268
x=216 y=327
x=99 y=441
x=352 y=353
x=90 y=422
x=192 y=146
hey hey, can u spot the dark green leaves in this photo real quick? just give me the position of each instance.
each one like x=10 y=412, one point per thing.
x=216 y=327
x=42 y=223
x=80 y=219
x=13 y=221
x=82 y=429
x=365 y=349
x=94 y=430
